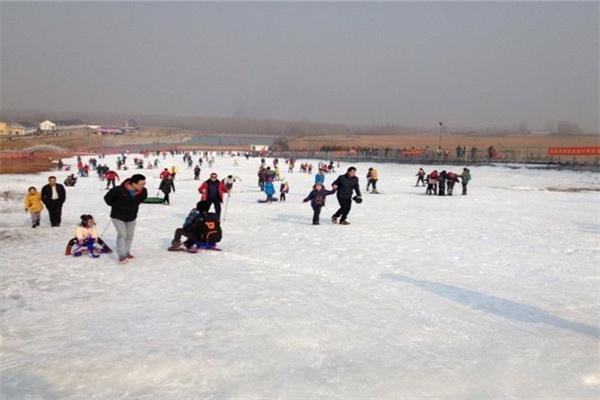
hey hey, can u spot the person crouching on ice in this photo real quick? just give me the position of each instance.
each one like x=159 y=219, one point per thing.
x=86 y=236
x=202 y=229
x=317 y=200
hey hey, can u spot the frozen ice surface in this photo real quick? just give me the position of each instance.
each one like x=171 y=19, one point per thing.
x=494 y=295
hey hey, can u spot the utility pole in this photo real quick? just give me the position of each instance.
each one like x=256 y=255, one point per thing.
x=441 y=127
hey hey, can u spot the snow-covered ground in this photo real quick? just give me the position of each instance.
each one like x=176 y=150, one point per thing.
x=495 y=295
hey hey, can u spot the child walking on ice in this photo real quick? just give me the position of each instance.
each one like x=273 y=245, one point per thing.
x=317 y=200
x=33 y=205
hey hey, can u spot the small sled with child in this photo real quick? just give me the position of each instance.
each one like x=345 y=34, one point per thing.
x=202 y=230
x=86 y=240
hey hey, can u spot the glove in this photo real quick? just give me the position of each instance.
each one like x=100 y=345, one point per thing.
x=357 y=199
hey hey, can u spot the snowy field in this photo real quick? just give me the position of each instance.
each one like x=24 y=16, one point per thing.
x=495 y=295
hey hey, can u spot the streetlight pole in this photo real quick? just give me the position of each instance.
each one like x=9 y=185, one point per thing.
x=440 y=141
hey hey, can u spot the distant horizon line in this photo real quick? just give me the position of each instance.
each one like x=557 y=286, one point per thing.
x=24 y=114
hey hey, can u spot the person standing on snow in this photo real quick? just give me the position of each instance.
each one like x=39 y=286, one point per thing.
x=125 y=201
x=33 y=205
x=465 y=177
x=111 y=176
x=53 y=197
x=229 y=181
x=372 y=177
x=442 y=178
x=284 y=189
x=420 y=177
x=317 y=200
x=213 y=191
x=346 y=184
x=166 y=185
x=197 y=173
x=320 y=178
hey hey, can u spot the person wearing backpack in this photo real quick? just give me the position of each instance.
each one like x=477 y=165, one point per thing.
x=201 y=228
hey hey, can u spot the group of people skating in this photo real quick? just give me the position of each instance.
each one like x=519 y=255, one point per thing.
x=201 y=227
x=442 y=183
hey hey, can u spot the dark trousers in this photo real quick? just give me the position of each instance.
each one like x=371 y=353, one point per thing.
x=166 y=199
x=441 y=189
x=282 y=197
x=372 y=182
x=316 y=213
x=464 y=187
x=179 y=232
x=450 y=188
x=217 y=204
x=345 y=206
x=55 y=212
x=110 y=182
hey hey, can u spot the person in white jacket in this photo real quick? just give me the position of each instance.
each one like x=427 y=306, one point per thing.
x=86 y=236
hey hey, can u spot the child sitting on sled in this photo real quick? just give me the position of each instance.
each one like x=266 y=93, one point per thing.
x=86 y=238
x=202 y=229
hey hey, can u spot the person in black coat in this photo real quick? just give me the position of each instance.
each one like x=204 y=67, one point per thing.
x=317 y=200
x=166 y=185
x=346 y=185
x=53 y=197
x=125 y=201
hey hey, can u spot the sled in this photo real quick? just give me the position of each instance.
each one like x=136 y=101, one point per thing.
x=265 y=200
x=153 y=200
x=100 y=245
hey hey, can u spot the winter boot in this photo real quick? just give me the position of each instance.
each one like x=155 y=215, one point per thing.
x=175 y=246
x=344 y=223
x=334 y=219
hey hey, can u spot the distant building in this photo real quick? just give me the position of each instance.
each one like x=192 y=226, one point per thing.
x=11 y=129
x=47 y=126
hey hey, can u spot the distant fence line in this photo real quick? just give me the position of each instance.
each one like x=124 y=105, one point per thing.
x=514 y=156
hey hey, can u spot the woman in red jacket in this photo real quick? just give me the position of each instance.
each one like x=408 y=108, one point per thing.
x=213 y=191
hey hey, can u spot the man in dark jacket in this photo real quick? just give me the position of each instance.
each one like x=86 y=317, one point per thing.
x=166 y=185
x=124 y=201
x=345 y=184
x=53 y=197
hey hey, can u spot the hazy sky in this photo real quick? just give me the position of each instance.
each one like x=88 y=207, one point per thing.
x=469 y=64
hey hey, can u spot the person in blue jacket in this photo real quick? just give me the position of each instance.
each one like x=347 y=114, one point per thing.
x=320 y=178
x=269 y=190
x=317 y=200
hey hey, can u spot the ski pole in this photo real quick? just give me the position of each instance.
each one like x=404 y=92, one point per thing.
x=105 y=228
